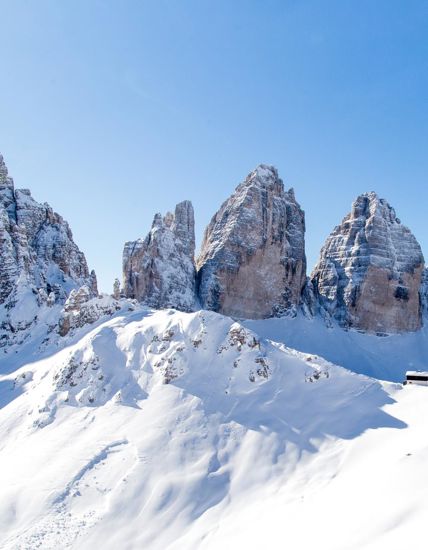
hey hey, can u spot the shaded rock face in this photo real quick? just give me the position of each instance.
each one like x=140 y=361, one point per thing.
x=370 y=270
x=252 y=262
x=39 y=261
x=424 y=295
x=160 y=270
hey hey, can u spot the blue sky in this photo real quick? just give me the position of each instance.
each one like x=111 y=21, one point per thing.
x=112 y=111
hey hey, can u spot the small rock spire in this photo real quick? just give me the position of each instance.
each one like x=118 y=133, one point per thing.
x=5 y=181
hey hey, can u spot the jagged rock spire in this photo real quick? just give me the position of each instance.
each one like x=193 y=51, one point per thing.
x=159 y=270
x=5 y=181
x=252 y=262
x=370 y=269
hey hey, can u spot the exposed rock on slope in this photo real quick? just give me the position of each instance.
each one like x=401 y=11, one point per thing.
x=252 y=262
x=83 y=308
x=370 y=269
x=159 y=270
x=39 y=261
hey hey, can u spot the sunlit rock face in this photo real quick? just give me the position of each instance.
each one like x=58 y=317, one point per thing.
x=252 y=262
x=370 y=270
x=160 y=269
x=39 y=262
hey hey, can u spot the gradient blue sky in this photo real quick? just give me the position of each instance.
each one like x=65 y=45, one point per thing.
x=114 y=110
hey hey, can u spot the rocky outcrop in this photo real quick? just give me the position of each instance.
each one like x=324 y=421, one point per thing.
x=39 y=261
x=83 y=308
x=370 y=269
x=252 y=262
x=159 y=270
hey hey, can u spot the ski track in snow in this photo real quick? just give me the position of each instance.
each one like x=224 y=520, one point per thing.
x=61 y=528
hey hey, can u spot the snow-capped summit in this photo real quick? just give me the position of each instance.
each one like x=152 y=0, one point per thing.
x=126 y=427
x=38 y=258
x=252 y=262
x=370 y=269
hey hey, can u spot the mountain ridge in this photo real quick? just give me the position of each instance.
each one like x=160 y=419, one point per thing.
x=129 y=426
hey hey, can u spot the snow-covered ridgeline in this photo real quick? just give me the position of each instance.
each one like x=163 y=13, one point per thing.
x=40 y=263
x=161 y=429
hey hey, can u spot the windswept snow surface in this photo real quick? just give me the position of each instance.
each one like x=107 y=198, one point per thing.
x=171 y=431
x=386 y=357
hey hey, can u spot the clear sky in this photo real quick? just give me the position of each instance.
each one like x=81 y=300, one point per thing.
x=114 y=110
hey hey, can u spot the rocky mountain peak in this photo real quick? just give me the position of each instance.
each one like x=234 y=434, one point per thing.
x=370 y=204
x=159 y=270
x=370 y=269
x=264 y=175
x=252 y=262
x=38 y=257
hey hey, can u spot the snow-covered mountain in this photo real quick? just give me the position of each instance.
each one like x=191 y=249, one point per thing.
x=252 y=265
x=128 y=427
x=386 y=357
x=39 y=262
x=168 y=430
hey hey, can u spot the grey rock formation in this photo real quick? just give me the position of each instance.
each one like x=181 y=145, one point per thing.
x=424 y=295
x=252 y=262
x=38 y=258
x=94 y=283
x=370 y=269
x=83 y=308
x=116 y=289
x=159 y=270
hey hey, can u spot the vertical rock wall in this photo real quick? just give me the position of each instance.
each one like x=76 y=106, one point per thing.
x=370 y=270
x=252 y=262
x=159 y=270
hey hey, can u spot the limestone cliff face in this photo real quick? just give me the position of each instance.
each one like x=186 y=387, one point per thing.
x=252 y=262
x=39 y=261
x=370 y=270
x=424 y=295
x=159 y=270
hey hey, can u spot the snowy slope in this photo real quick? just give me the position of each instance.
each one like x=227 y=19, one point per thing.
x=169 y=430
x=385 y=357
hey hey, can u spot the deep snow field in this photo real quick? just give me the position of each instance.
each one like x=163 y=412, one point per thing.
x=171 y=431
